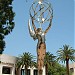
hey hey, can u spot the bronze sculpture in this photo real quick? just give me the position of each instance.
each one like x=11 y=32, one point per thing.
x=38 y=33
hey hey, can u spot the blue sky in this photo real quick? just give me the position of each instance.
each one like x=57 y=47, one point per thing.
x=61 y=32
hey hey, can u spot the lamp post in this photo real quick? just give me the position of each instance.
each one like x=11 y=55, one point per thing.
x=41 y=13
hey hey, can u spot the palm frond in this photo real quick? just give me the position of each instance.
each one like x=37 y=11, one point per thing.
x=66 y=52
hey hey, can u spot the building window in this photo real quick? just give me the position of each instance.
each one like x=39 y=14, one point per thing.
x=28 y=72
x=6 y=70
x=71 y=69
x=23 y=71
x=35 y=72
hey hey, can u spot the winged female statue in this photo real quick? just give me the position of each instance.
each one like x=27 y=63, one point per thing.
x=38 y=33
x=41 y=13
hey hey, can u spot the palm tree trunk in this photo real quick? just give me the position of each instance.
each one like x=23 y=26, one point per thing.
x=46 y=69
x=18 y=71
x=67 y=66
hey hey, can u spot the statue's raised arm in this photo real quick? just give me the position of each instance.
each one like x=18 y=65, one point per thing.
x=48 y=26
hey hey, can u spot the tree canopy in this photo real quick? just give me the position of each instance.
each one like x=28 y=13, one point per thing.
x=25 y=60
x=53 y=67
x=65 y=54
x=6 y=21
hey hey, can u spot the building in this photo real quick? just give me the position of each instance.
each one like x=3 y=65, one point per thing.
x=7 y=67
x=72 y=68
x=30 y=71
x=7 y=64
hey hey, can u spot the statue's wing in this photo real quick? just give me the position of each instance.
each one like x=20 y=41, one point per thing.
x=32 y=33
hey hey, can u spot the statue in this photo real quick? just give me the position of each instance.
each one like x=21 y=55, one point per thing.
x=38 y=33
x=38 y=15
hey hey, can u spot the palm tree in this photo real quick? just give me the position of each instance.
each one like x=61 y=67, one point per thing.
x=65 y=54
x=49 y=61
x=25 y=61
x=18 y=65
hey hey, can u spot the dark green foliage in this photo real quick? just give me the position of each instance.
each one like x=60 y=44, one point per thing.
x=2 y=45
x=52 y=66
x=25 y=59
x=65 y=54
x=6 y=21
x=57 y=69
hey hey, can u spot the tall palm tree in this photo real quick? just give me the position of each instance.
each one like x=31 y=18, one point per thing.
x=49 y=61
x=25 y=60
x=65 y=54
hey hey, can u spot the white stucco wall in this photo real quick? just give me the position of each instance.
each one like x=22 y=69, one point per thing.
x=8 y=61
x=72 y=66
x=32 y=70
